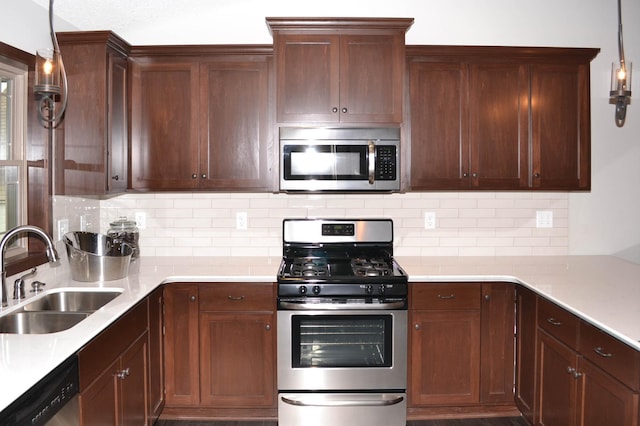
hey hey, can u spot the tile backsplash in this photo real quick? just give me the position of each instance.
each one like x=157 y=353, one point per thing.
x=204 y=224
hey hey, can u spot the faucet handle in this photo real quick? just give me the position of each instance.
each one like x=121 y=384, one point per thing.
x=18 y=288
x=36 y=286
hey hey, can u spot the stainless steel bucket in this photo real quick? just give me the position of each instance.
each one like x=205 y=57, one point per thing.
x=96 y=257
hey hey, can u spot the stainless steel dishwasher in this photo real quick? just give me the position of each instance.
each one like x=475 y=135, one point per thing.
x=52 y=401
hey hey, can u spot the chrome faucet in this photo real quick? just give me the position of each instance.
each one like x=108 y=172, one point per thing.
x=52 y=254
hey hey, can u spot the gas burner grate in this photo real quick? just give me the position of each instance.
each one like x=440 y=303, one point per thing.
x=309 y=267
x=371 y=267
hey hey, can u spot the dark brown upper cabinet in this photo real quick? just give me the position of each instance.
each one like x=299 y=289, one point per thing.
x=201 y=118
x=93 y=160
x=497 y=118
x=339 y=70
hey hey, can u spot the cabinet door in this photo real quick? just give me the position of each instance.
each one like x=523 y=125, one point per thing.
x=308 y=85
x=497 y=343
x=181 y=344
x=132 y=384
x=604 y=400
x=164 y=125
x=234 y=125
x=560 y=126
x=98 y=404
x=439 y=151
x=118 y=125
x=557 y=387
x=371 y=78
x=499 y=126
x=237 y=359
x=156 y=354
x=445 y=357
x=526 y=329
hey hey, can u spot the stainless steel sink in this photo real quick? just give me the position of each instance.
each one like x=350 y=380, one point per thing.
x=39 y=322
x=55 y=311
x=72 y=301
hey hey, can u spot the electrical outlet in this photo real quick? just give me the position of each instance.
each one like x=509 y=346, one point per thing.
x=63 y=227
x=241 y=220
x=544 y=219
x=141 y=220
x=430 y=220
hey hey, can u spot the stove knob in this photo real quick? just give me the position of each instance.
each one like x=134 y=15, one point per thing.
x=316 y=289
x=382 y=289
x=302 y=289
x=369 y=289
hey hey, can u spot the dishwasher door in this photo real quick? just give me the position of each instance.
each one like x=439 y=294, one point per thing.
x=51 y=401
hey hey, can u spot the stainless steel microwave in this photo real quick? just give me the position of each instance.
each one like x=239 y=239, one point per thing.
x=344 y=159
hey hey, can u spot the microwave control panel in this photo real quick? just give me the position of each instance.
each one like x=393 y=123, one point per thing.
x=386 y=162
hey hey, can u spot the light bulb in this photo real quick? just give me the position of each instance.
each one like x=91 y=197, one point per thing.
x=47 y=67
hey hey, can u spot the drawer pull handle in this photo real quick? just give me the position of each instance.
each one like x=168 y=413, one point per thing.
x=235 y=298
x=554 y=321
x=600 y=351
x=447 y=297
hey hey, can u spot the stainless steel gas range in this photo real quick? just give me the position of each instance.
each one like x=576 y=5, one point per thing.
x=342 y=325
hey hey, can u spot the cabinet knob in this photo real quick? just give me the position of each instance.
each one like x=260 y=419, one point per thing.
x=203 y=176
x=267 y=327
x=487 y=297
x=192 y=298
x=334 y=109
x=536 y=175
x=575 y=373
x=122 y=374
x=344 y=110
x=465 y=174
x=475 y=175
x=417 y=326
x=116 y=178
x=194 y=176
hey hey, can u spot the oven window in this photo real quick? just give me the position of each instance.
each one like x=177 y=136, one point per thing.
x=342 y=341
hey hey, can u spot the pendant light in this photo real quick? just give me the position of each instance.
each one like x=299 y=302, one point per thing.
x=51 y=80
x=620 y=94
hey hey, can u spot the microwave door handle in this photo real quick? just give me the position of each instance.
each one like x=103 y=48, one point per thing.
x=372 y=162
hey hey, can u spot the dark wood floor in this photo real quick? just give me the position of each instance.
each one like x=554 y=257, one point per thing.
x=505 y=421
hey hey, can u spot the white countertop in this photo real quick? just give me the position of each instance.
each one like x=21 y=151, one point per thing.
x=603 y=290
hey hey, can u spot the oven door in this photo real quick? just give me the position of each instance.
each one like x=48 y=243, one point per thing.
x=342 y=350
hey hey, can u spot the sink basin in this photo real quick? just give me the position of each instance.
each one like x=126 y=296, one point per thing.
x=72 y=301
x=39 y=322
x=55 y=311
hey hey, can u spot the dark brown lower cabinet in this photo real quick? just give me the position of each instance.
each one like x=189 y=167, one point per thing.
x=583 y=376
x=461 y=349
x=113 y=372
x=220 y=350
x=526 y=334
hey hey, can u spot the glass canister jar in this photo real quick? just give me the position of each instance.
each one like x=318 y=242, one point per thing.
x=126 y=231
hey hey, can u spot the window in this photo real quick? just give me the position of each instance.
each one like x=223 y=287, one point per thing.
x=13 y=97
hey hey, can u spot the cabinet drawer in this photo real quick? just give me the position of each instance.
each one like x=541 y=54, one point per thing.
x=558 y=322
x=610 y=354
x=237 y=297
x=445 y=296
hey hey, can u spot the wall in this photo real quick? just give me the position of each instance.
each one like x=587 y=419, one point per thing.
x=603 y=221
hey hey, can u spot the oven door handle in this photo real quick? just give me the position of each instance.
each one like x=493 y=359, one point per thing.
x=342 y=306
x=309 y=402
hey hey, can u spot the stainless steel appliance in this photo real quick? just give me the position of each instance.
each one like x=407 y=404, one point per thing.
x=344 y=159
x=53 y=401
x=342 y=325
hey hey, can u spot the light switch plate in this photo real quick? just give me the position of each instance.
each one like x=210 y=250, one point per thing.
x=63 y=227
x=241 y=220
